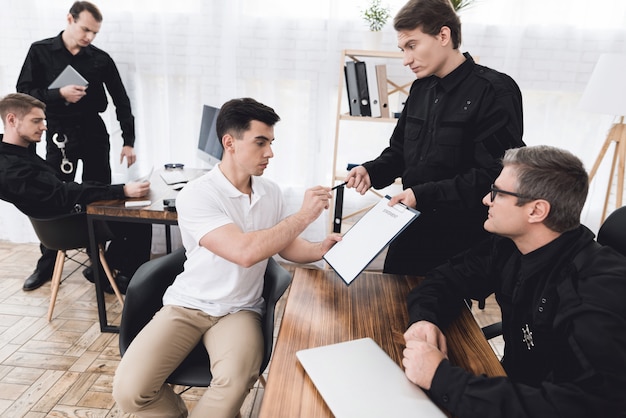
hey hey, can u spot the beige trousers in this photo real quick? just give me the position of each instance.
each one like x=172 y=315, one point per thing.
x=235 y=346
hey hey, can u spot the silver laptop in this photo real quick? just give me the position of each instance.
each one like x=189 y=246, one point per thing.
x=69 y=76
x=357 y=379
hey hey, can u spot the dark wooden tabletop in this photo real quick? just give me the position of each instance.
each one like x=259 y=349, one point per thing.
x=154 y=212
x=322 y=310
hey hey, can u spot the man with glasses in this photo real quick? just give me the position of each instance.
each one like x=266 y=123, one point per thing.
x=75 y=129
x=561 y=296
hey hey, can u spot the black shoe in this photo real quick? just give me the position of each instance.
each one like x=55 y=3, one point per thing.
x=121 y=280
x=36 y=280
x=88 y=274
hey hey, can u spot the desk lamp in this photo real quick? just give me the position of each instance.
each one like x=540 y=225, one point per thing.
x=606 y=93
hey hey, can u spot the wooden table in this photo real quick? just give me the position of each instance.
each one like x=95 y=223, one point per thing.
x=115 y=210
x=322 y=310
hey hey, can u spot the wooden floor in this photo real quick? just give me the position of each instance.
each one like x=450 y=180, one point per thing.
x=65 y=368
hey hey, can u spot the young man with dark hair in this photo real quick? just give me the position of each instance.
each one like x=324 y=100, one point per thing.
x=458 y=120
x=231 y=220
x=28 y=182
x=561 y=295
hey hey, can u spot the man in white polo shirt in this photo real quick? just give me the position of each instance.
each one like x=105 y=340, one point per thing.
x=232 y=220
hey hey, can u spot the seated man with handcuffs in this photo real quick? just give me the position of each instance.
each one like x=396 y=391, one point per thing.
x=37 y=190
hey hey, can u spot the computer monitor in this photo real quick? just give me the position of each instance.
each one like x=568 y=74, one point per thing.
x=209 y=145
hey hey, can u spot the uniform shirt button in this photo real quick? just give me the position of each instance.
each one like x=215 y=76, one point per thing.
x=445 y=398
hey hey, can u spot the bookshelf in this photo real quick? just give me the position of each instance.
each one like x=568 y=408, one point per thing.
x=393 y=87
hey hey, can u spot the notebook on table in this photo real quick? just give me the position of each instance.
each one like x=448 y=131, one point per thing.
x=174 y=176
x=358 y=379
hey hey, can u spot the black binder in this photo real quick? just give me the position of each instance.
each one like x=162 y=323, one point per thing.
x=364 y=96
x=352 y=89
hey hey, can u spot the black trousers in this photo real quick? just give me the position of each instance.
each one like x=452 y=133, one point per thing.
x=433 y=238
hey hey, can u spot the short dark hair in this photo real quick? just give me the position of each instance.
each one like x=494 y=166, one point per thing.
x=429 y=16
x=552 y=174
x=20 y=104
x=235 y=116
x=80 y=6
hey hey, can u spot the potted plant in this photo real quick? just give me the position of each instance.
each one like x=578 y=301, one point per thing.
x=460 y=4
x=376 y=16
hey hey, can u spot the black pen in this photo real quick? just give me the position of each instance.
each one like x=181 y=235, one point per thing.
x=339 y=185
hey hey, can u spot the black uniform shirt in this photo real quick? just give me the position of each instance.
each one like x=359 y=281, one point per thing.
x=447 y=147
x=28 y=182
x=564 y=329
x=45 y=61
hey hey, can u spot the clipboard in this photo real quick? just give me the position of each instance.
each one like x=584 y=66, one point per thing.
x=69 y=76
x=368 y=237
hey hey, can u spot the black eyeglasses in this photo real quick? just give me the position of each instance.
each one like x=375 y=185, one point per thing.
x=495 y=191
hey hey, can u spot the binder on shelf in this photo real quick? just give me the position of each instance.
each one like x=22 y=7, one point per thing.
x=372 y=87
x=352 y=88
x=383 y=93
x=361 y=82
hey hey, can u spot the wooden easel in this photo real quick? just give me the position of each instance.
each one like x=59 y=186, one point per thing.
x=617 y=134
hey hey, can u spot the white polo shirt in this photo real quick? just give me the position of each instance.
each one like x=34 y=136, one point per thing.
x=211 y=283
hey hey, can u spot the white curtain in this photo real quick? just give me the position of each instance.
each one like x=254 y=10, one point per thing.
x=176 y=56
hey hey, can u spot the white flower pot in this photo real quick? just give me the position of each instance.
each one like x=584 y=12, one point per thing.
x=372 y=40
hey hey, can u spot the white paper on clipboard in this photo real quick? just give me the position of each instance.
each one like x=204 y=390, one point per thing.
x=69 y=76
x=368 y=237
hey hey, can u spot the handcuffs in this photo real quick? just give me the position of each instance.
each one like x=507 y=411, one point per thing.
x=66 y=165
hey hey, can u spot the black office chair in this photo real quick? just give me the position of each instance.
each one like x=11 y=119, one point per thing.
x=144 y=298
x=612 y=233
x=613 y=230
x=63 y=233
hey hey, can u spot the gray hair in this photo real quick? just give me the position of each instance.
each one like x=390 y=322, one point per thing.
x=552 y=174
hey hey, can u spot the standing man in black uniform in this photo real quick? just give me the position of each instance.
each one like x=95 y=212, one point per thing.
x=75 y=128
x=458 y=120
x=73 y=111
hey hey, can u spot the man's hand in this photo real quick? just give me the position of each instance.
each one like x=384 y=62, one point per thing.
x=428 y=332
x=328 y=242
x=129 y=153
x=420 y=362
x=136 y=188
x=407 y=197
x=73 y=93
x=359 y=178
x=316 y=199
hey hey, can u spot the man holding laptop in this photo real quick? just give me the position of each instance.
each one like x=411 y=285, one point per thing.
x=73 y=110
x=561 y=295
x=75 y=128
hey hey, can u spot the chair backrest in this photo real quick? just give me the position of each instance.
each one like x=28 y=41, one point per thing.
x=144 y=298
x=613 y=230
x=63 y=232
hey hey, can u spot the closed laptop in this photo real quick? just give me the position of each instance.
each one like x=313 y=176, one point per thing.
x=357 y=379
